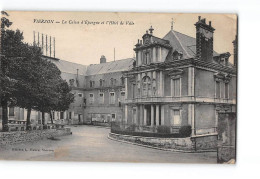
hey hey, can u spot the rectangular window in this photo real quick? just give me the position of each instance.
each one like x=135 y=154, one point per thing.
x=112 y=98
x=133 y=90
x=226 y=90
x=61 y=115
x=176 y=117
x=11 y=111
x=69 y=115
x=102 y=83
x=92 y=84
x=91 y=98
x=101 y=98
x=122 y=96
x=176 y=87
x=80 y=95
x=122 y=81
x=217 y=89
x=113 y=116
x=157 y=54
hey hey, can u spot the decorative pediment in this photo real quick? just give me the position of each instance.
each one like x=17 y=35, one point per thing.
x=174 y=72
x=223 y=108
x=222 y=77
x=227 y=78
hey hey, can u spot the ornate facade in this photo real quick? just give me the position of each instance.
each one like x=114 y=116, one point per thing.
x=179 y=80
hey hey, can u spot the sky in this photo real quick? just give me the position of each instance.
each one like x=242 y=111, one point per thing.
x=85 y=43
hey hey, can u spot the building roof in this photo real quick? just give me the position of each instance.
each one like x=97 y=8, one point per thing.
x=109 y=67
x=183 y=43
x=70 y=67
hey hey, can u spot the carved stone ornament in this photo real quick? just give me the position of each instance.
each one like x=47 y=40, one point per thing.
x=174 y=73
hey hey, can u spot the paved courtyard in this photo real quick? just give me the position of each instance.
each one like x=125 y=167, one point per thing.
x=89 y=143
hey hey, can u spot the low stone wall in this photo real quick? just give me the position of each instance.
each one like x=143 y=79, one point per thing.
x=164 y=143
x=187 y=144
x=9 y=138
x=205 y=142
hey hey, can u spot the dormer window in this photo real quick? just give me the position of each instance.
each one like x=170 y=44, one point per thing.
x=112 y=82
x=122 y=80
x=92 y=84
x=101 y=83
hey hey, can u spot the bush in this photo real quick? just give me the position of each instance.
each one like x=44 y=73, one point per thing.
x=164 y=129
x=185 y=131
x=131 y=128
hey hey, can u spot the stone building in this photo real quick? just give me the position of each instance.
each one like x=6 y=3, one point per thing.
x=179 y=81
x=105 y=90
x=98 y=90
x=174 y=81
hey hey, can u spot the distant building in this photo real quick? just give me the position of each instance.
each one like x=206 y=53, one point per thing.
x=105 y=90
x=98 y=90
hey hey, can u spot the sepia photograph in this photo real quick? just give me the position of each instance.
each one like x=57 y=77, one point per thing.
x=119 y=87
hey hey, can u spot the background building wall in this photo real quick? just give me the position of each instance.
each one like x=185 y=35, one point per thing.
x=205 y=116
x=204 y=83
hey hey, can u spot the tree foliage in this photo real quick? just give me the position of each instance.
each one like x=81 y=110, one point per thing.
x=27 y=79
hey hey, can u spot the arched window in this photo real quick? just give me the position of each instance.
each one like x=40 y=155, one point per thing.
x=146 y=86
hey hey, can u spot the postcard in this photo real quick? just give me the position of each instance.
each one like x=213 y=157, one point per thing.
x=118 y=87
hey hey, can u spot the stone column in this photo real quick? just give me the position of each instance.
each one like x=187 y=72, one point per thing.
x=154 y=55
x=141 y=117
x=72 y=117
x=161 y=84
x=126 y=86
x=126 y=113
x=152 y=115
x=65 y=115
x=162 y=115
x=160 y=54
x=157 y=115
x=137 y=115
x=191 y=84
x=191 y=118
x=145 y=116
x=216 y=120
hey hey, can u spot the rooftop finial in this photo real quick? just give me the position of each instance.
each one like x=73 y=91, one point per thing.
x=151 y=30
x=172 y=24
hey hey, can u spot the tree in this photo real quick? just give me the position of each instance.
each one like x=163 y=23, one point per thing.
x=54 y=92
x=27 y=79
x=11 y=43
x=65 y=98
x=27 y=75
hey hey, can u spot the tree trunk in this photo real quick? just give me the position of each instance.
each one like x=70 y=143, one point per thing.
x=28 y=119
x=51 y=118
x=43 y=119
x=4 y=115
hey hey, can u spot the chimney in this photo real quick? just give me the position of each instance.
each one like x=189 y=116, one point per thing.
x=204 y=40
x=103 y=59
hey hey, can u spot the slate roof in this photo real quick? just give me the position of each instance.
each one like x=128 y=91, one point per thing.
x=183 y=43
x=109 y=67
x=70 y=67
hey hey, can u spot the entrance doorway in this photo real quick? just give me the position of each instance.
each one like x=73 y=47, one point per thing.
x=148 y=115
x=79 y=117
